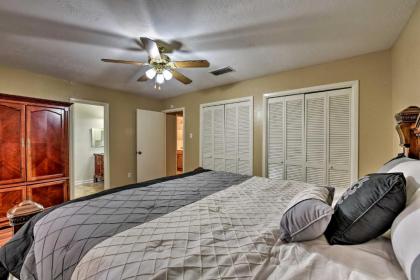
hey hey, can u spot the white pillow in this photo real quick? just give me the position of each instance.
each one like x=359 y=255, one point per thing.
x=405 y=239
x=411 y=170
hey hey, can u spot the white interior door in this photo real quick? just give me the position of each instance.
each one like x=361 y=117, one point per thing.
x=151 y=145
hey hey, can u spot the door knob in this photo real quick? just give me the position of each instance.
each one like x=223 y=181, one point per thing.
x=139 y=152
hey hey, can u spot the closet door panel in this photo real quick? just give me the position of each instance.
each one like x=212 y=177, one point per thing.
x=244 y=138
x=231 y=138
x=316 y=138
x=219 y=137
x=339 y=137
x=46 y=142
x=207 y=138
x=12 y=143
x=275 y=138
x=294 y=125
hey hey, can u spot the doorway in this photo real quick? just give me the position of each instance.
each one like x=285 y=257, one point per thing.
x=89 y=148
x=174 y=142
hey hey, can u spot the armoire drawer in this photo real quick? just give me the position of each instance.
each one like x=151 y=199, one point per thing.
x=48 y=194
x=10 y=197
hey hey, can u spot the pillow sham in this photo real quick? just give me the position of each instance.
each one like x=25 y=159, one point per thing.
x=393 y=162
x=367 y=209
x=411 y=171
x=405 y=234
x=307 y=215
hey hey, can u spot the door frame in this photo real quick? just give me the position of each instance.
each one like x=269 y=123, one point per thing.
x=176 y=110
x=354 y=85
x=107 y=173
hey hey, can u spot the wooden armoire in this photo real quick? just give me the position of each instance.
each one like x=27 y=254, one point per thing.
x=34 y=153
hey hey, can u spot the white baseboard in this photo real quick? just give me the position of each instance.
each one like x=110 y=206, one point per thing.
x=82 y=182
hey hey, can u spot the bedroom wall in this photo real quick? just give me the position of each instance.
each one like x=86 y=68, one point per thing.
x=375 y=122
x=122 y=112
x=406 y=68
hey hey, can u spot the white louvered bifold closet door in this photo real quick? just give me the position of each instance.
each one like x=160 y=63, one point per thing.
x=231 y=138
x=316 y=138
x=294 y=129
x=207 y=138
x=339 y=137
x=226 y=132
x=244 y=138
x=275 y=138
x=219 y=137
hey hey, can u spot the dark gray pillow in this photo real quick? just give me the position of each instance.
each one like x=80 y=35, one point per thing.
x=367 y=209
x=307 y=215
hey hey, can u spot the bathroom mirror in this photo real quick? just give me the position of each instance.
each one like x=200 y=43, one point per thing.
x=97 y=137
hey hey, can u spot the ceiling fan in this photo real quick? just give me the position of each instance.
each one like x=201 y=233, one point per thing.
x=161 y=67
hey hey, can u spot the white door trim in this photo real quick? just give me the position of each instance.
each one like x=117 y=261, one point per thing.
x=107 y=173
x=175 y=110
x=224 y=102
x=354 y=85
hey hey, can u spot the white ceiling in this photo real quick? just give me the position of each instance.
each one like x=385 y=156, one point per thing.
x=67 y=38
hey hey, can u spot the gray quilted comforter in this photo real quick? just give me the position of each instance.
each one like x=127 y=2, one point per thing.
x=63 y=236
x=233 y=234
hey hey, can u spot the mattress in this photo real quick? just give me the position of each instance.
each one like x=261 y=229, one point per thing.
x=51 y=244
x=232 y=234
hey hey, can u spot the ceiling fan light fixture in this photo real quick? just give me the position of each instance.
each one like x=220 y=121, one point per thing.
x=160 y=79
x=151 y=73
x=167 y=74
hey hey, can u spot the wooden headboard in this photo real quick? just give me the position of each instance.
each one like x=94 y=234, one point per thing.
x=408 y=128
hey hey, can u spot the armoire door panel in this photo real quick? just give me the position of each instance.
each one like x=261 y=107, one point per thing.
x=49 y=194
x=46 y=147
x=10 y=197
x=12 y=143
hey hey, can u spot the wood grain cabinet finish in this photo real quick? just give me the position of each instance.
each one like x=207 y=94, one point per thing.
x=33 y=153
x=48 y=194
x=10 y=197
x=12 y=143
x=99 y=167
x=46 y=142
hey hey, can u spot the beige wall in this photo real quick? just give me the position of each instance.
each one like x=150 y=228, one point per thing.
x=122 y=112
x=375 y=121
x=406 y=68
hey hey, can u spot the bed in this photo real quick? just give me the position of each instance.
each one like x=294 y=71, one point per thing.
x=200 y=225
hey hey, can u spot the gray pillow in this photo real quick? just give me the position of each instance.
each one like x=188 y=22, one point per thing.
x=405 y=239
x=307 y=215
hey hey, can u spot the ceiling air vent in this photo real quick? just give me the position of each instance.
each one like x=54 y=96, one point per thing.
x=222 y=71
